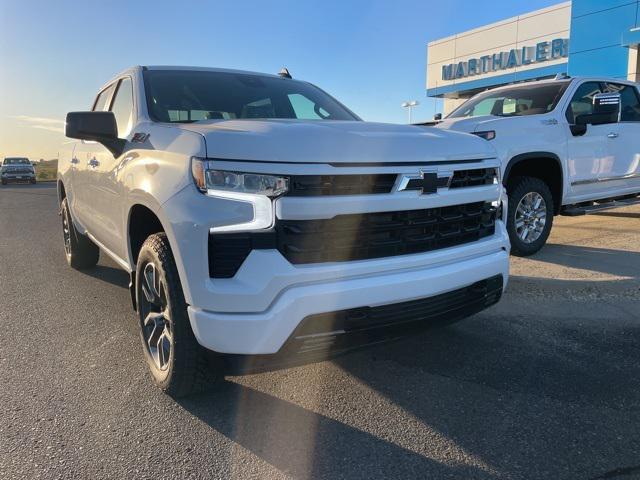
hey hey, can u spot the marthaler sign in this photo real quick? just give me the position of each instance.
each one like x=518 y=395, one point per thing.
x=516 y=57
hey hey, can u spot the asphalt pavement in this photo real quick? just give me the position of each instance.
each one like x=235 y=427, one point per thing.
x=545 y=385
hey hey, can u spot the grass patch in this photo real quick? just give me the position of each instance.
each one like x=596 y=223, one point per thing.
x=46 y=171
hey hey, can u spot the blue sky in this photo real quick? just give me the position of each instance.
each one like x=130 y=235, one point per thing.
x=371 y=55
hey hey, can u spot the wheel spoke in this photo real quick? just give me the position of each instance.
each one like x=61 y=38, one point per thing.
x=149 y=284
x=530 y=218
x=152 y=318
x=537 y=202
x=164 y=349
x=156 y=326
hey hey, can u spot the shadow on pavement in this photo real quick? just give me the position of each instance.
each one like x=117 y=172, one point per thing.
x=305 y=444
x=40 y=188
x=531 y=394
x=113 y=275
x=617 y=214
x=614 y=262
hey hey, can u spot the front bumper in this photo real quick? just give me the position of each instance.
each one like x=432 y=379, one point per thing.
x=258 y=309
x=23 y=177
x=266 y=332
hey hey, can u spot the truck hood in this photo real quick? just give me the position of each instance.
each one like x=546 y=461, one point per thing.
x=299 y=141
x=473 y=124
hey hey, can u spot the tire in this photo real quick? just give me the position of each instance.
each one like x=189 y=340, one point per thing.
x=178 y=364
x=529 y=226
x=4 y=182
x=80 y=251
x=33 y=182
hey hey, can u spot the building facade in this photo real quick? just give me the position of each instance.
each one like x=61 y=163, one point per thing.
x=582 y=37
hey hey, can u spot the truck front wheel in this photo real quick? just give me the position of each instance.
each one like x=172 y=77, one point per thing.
x=530 y=215
x=178 y=363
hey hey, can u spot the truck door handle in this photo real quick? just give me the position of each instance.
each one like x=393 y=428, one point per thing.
x=93 y=163
x=613 y=135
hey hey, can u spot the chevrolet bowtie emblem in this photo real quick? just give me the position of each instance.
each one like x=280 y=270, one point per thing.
x=425 y=181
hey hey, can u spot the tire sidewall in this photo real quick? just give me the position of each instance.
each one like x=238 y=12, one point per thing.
x=521 y=188
x=72 y=231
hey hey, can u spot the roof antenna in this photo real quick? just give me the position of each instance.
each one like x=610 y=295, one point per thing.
x=284 y=73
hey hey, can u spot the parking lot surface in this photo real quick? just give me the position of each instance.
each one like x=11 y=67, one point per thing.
x=545 y=385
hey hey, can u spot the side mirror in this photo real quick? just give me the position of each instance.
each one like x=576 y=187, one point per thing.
x=437 y=117
x=95 y=126
x=607 y=108
x=580 y=127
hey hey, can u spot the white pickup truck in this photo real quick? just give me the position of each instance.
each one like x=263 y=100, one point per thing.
x=569 y=146
x=258 y=216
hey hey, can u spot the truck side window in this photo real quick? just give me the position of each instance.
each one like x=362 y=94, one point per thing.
x=122 y=107
x=582 y=101
x=630 y=107
x=100 y=104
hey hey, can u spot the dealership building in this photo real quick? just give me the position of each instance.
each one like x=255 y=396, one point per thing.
x=582 y=37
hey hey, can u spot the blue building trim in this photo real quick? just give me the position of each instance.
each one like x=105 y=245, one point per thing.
x=631 y=38
x=531 y=74
x=601 y=33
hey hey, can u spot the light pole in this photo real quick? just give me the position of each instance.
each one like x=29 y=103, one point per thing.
x=410 y=104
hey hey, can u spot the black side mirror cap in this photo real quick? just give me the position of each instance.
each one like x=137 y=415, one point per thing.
x=437 y=117
x=99 y=127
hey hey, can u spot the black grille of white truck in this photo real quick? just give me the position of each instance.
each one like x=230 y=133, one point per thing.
x=356 y=236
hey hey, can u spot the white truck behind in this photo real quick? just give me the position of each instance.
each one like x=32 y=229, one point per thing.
x=568 y=146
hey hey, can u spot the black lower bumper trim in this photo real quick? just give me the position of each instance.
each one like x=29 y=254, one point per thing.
x=320 y=336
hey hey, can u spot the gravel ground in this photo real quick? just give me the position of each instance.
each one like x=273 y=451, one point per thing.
x=546 y=385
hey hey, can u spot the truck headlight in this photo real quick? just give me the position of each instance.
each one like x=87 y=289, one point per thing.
x=257 y=189
x=209 y=180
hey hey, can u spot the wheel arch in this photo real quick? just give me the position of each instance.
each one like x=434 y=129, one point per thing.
x=142 y=221
x=532 y=164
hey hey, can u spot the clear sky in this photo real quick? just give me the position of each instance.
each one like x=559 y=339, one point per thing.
x=371 y=55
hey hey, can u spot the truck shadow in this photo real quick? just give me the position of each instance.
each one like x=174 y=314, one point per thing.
x=622 y=263
x=513 y=387
x=305 y=444
x=106 y=273
x=618 y=214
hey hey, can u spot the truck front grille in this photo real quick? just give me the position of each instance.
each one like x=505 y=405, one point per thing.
x=18 y=171
x=319 y=185
x=383 y=234
x=316 y=185
x=356 y=237
x=474 y=178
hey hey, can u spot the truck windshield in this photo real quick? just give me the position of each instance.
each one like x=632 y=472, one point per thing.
x=513 y=102
x=191 y=96
x=16 y=161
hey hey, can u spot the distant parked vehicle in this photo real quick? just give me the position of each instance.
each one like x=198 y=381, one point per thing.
x=17 y=169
